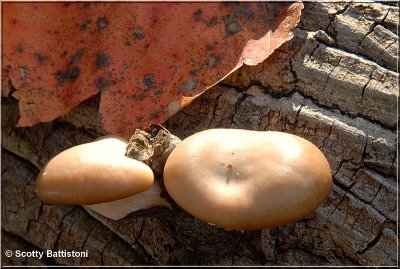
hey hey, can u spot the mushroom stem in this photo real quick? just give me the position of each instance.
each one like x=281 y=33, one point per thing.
x=152 y=147
x=119 y=209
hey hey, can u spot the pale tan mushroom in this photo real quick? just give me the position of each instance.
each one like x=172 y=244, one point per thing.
x=119 y=209
x=93 y=173
x=246 y=180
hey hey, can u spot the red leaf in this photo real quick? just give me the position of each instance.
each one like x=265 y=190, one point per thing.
x=146 y=59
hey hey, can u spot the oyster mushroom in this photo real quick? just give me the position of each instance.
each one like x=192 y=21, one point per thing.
x=98 y=173
x=246 y=180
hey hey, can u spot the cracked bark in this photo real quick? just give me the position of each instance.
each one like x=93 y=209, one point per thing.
x=341 y=98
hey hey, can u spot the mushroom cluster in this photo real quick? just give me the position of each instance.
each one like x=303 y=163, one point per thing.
x=99 y=176
x=246 y=180
x=236 y=179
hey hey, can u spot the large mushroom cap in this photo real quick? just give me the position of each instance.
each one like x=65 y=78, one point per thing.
x=92 y=173
x=247 y=180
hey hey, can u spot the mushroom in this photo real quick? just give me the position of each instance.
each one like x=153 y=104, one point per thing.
x=98 y=173
x=247 y=180
x=119 y=209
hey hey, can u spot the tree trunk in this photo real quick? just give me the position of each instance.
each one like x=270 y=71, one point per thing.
x=334 y=84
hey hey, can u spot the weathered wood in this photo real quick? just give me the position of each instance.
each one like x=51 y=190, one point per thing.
x=334 y=84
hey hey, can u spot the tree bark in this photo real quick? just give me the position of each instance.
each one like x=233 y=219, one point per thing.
x=334 y=84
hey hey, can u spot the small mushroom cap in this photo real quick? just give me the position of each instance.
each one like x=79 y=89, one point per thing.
x=92 y=173
x=247 y=180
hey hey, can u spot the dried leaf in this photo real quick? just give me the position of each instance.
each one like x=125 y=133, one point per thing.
x=147 y=59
